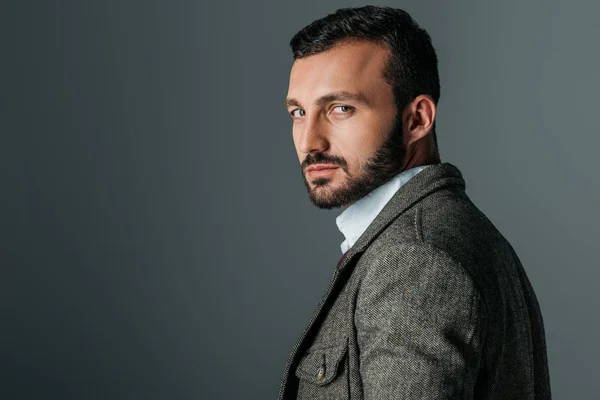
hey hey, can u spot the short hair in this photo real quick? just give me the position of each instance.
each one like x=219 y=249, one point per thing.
x=412 y=68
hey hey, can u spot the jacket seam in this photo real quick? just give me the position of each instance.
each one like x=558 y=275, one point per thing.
x=417 y=223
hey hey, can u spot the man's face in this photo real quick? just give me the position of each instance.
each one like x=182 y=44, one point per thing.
x=357 y=135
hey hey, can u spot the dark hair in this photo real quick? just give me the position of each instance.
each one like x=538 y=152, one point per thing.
x=412 y=67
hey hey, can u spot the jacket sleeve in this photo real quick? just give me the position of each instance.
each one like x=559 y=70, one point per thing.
x=420 y=326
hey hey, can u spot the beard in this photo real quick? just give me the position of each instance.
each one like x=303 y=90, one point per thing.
x=387 y=162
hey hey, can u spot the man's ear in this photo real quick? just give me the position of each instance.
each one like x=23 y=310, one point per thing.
x=418 y=118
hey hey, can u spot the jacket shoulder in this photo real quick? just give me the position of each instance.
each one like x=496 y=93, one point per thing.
x=449 y=221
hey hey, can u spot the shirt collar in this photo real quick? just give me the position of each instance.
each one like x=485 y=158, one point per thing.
x=354 y=220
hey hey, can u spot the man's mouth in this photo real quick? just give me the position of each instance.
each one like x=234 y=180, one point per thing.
x=319 y=170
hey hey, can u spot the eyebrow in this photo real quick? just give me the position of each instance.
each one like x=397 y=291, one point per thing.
x=340 y=95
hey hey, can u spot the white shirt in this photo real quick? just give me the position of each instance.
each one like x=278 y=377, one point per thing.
x=354 y=220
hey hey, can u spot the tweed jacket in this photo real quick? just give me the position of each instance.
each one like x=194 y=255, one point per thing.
x=431 y=302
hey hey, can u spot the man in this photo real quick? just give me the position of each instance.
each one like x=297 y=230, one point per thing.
x=429 y=301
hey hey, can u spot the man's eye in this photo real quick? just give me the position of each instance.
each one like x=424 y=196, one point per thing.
x=345 y=109
x=297 y=109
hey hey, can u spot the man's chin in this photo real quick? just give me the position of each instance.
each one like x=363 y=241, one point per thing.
x=327 y=193
x=324 y=204
x=326 y=198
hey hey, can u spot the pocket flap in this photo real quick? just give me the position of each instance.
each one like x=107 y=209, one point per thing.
x=320 y=365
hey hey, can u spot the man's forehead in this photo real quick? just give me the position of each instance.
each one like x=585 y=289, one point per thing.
x=343 y=62
x=352 y=68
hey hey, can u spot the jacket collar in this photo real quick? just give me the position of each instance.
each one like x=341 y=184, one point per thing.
x=356 y=218
x=431 y=179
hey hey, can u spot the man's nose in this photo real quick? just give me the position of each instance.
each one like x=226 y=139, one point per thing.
x=313 y=138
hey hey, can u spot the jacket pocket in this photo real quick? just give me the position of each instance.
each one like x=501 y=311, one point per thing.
x=322 y=371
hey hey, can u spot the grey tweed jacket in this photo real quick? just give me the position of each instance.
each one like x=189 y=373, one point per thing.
x=431 y=302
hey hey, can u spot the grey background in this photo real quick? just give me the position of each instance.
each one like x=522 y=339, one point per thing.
x=156 y=240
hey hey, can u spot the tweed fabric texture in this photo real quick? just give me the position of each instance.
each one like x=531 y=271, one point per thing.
x=431 y=302
x=341 y=259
